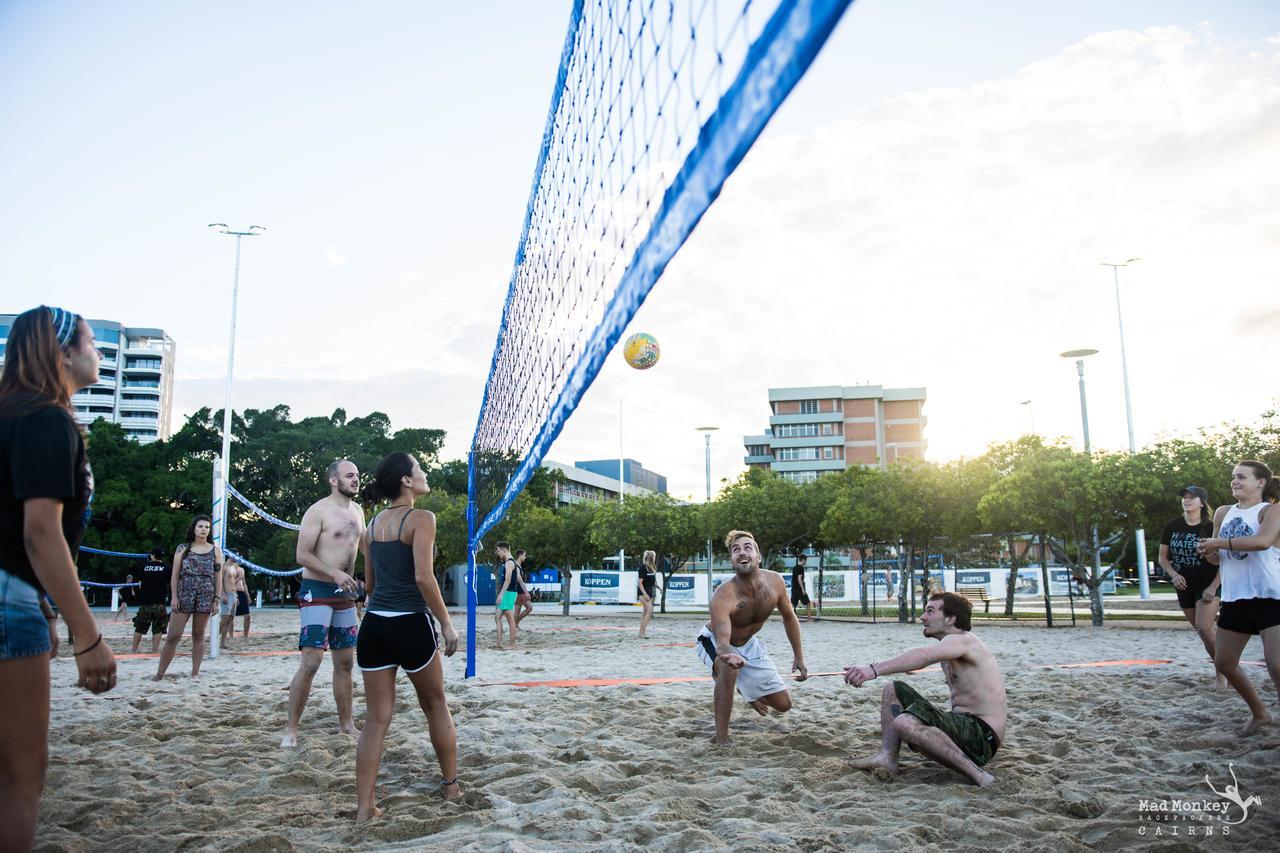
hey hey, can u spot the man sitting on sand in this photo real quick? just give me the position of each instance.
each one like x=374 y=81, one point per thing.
x=964 y=738
x=729 y=645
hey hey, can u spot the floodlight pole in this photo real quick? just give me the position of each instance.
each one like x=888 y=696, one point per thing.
x=1139 y=536
x=1031 y=412
x=622 y=551
x=1080 y=355
x=706 y=432
x=220 y=535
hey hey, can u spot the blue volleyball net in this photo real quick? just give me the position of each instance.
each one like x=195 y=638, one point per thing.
x=654 y=105
x=254 y=534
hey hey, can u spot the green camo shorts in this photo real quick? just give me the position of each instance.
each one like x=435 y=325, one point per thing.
x=968 y=732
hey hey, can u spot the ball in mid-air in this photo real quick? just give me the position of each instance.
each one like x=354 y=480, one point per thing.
x=641 y=350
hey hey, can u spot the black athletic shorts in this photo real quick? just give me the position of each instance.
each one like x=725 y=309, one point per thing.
x=1249 y=615
x=242 y=603
x=408 y=642
x=798 y=595
x=1198 y=581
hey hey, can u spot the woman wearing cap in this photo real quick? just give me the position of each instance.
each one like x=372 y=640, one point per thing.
x=1194 y=578
x=46 y=487
x=1245 y=540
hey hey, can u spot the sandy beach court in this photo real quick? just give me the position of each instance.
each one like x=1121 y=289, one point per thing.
x=197 y=766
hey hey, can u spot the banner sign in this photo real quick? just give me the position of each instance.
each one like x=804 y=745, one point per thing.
x=600 y=586
x=681 y=589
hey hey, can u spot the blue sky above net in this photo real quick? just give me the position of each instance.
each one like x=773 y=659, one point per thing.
x=963 y=165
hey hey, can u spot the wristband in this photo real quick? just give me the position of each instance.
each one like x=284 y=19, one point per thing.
x=91 y=648
x=1229 y=538
x=873 y=670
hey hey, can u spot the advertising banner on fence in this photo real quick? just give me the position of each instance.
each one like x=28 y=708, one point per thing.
x=605 y=587
x=683 y=590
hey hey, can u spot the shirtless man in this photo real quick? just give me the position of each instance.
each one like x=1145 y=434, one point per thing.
x=327 y=544
x=728 y=642
x=964 y=738
x=232 y=579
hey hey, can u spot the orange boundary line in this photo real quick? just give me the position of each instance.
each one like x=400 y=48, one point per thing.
x=614 y=682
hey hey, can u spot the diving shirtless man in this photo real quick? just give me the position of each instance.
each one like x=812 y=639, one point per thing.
x=964 y=738
x=728 y=642
x=327 y=544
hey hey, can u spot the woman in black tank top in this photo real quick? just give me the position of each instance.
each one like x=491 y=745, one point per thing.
x=398 y=631
x=648 y=586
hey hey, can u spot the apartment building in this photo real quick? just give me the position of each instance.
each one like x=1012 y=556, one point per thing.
x=596 y=480
x=823 y=428
x=135 y=379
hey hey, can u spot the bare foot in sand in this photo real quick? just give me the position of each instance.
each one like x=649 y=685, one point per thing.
x=372 y=814
x=289 y=740
x=720 y=741
x=759 y=707
x=452 y=791
x=348 y=729
x=880 y=761
x=1254 y=724
x=985 y=780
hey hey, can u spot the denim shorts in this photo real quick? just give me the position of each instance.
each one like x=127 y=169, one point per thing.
x=24 y=632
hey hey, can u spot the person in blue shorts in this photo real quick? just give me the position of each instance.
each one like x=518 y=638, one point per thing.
x=327 y=545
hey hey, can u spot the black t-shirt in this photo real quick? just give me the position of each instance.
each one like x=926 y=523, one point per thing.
x=1181 y=539
x=155 y=589
x=647 y=579
x=41 y=456
x=797 y=576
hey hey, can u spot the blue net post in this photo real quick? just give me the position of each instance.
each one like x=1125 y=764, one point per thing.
x=471 y=589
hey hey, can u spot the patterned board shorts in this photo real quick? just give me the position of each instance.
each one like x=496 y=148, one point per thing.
x=966 y=731
x=153 y=617
x=328 y=617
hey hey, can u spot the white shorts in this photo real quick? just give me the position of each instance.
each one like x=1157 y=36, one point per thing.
x=758 y=676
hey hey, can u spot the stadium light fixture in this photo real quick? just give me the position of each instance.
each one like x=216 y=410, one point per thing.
x=1144 y=589
x=706 y=431
x=221 y=500
x=1080 y=355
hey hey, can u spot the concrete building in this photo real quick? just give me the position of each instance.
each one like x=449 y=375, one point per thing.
x=599 y=482
x=135 y=379
x=825 y=428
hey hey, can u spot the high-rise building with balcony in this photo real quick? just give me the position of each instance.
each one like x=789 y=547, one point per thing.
x=829 y=427
x=135 y=379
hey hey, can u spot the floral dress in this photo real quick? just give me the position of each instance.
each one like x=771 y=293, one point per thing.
x=196 y=582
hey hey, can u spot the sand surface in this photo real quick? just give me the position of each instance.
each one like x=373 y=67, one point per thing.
x=196 y=765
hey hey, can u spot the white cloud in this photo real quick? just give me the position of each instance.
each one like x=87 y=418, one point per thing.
x=334 y=257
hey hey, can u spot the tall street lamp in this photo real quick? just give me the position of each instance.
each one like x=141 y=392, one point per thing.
x=221 y=533
x=1140 y=539
x=706 y=431
x=1080 y=355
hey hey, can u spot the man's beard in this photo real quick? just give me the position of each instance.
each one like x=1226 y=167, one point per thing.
x=746 y=568
x=342 y=490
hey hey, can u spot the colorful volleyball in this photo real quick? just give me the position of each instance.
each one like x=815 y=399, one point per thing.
x=641 y=350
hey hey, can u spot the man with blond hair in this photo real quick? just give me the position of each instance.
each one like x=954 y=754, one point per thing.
x=728 y=642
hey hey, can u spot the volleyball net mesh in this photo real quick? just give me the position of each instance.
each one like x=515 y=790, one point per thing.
x=654 y=105
x=258 y=539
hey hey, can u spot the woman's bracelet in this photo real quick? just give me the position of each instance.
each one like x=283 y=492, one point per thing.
x=873 y=670
x=91 y=648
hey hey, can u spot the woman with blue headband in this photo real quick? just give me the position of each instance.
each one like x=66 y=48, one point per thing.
x=45 y=490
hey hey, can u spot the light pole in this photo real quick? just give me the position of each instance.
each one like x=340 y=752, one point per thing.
x=1031 y=412
x=892 y=445
x=706 y=432
x=1080 y=355
x=221 y=533
x=1139 y=536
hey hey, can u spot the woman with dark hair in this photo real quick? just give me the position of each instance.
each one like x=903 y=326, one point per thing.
x=398 y=631
x=46 y=487
x=1194 y=578
x=196 y=587
x=1244 y=541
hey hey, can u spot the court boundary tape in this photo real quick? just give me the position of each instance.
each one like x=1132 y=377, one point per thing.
x=686 y=679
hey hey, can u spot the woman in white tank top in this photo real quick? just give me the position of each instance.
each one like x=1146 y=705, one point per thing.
x=1244 y=545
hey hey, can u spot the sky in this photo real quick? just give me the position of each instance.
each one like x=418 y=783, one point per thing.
x=930 y=208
